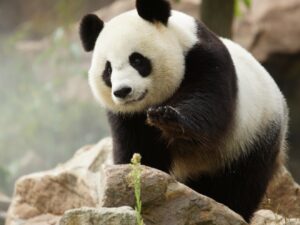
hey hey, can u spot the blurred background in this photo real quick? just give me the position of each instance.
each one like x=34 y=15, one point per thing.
x=47 y=110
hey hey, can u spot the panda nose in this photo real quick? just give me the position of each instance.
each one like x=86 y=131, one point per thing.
x=123 y=92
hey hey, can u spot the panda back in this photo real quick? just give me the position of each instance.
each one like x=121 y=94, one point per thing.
x=259 y=100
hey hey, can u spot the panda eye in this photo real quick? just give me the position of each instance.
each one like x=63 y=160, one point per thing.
x=140 y=63
x=136 y=60
x=107 y=74
x=108 y=68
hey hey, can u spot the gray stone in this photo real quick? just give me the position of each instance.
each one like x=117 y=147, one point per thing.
x=73 y=184
x=267 y=217
x=164 y=200
x=103 y=216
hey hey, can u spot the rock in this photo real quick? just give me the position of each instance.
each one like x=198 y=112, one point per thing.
x=43 y=198
x=74 y=184
x=267 y=217
x=283 y=195
x=44 y=219
x=104 y=216
x=271 y=27
x=83 y=181
x=164 y=200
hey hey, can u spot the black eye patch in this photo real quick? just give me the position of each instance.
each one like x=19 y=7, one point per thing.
x=107 y=74
x=140 y=63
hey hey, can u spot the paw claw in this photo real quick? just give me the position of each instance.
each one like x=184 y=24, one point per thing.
x=162 y=114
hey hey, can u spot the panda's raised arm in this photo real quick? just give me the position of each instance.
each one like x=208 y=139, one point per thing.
x=205 y=102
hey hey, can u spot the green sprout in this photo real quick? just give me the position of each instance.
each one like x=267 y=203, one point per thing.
x=136 y=176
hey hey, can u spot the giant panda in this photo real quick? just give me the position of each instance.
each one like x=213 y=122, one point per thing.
x=194 y=105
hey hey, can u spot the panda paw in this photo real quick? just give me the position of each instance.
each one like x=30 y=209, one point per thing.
x=163 y=115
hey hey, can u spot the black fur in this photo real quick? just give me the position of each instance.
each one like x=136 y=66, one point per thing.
x=132 y=135
x=199 y=114
x=206 y=98
x=154 y=10
x=106 y=75
x=140 y=63
x=90 y=27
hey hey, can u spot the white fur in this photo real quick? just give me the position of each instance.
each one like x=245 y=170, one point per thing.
x=164 y=46
x=259 y=102
x=184 y=28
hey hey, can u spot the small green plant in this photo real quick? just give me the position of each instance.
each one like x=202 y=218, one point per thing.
x=136 y=180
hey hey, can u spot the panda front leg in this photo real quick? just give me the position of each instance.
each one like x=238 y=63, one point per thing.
x=195 y=118
x=168 y=119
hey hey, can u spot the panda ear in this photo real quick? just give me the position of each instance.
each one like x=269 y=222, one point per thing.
x=90 y=28
x=154 y=10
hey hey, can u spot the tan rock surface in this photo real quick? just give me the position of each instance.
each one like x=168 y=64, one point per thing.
x=267 y=217
x=44 y=197
x=165 y=201
x=271 y=27
x=103 y=216
x=74 y=184
x=283 y=195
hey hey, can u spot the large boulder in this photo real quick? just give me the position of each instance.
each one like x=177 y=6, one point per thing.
x=45 y=196
x=164 y=200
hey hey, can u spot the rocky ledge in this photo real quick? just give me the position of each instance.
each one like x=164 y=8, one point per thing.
x=89 y=190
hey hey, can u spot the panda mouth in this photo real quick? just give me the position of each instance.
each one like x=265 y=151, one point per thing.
x=140 y=98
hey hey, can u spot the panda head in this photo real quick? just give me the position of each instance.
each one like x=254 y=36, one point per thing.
x=138 y=61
